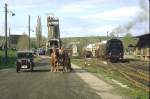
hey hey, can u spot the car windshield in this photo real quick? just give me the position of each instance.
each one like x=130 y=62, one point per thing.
x=25 y=55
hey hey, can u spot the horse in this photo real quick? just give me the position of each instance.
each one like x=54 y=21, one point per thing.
x=67 y=62
x=54 y=61
x=61 y=57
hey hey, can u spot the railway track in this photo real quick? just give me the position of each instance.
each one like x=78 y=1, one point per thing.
x=136 y=76
x=132 y=75
x=137 y=66
x=133 y=71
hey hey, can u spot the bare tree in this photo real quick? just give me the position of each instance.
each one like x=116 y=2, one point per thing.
x=39 y=32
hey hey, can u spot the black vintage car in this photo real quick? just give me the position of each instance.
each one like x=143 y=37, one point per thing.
x=24 y=60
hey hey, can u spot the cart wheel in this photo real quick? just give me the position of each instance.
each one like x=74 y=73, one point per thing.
x=17 y=68
x=31 y=67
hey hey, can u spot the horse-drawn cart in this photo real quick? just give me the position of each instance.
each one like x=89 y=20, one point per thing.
x=59 y=56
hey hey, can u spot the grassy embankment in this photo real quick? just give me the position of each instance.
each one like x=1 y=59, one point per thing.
x=108 y=75
x=11 y=59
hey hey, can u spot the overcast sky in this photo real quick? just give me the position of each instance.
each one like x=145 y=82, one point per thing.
x=77 y=17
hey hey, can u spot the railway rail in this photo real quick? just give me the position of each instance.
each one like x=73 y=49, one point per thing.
x=137 y=76
x=133 y=71
x=134 y=76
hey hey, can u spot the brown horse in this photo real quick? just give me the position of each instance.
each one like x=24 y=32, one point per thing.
x=67 y=62
x=54 y=60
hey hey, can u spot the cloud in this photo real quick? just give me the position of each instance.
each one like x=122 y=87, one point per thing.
x=23 y=6
x=81 y=6
x=122 y=12
x=70 y=31
x=96 y=1
x=99 y=30
x=71 y=8
x=114 y=14
x=103 y=29
x=75 y=7
x=77 y=17
x=25 y=2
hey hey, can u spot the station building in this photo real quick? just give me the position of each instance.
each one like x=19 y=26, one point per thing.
x=142 y=48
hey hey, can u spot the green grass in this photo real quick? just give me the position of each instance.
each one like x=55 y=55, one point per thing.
x=11 y=59
x=133 y=92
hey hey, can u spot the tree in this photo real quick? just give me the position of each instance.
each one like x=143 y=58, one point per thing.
x=112 y=35
x=128 y=39
x=33 y=43
x=2 y=41
x=23 y=42
x=81 y=46
x=43 y=41
x=39 y=32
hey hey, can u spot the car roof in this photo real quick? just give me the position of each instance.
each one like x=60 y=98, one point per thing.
x=54 y=39
x=25 y=51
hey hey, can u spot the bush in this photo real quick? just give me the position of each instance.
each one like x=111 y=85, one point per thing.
x=11 y=59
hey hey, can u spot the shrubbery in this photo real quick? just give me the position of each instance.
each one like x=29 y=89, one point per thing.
x=11 y=59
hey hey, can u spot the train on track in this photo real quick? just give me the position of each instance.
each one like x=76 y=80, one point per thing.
x=111 y=50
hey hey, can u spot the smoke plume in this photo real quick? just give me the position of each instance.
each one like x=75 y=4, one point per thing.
x=142 y=16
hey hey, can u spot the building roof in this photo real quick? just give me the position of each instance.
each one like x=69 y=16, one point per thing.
x=143 y=35
x=144 y=41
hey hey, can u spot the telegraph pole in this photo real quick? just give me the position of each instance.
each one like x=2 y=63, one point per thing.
x=29 y=31
x=85 y=58
x=6 y=57
x=107 y=35
x=9 y=38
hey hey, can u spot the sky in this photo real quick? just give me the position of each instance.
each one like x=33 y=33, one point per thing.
x=77 y=17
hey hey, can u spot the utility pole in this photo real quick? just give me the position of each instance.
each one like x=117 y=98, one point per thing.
x=85 y=58
x=29 y=31
x=6 y=57
x=9 y=38
x=107 y=35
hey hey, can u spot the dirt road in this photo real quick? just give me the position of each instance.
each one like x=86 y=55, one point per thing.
x=42 y=84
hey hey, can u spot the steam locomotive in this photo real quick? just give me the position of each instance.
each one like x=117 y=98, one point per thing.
x=114 y=50
x=111 y=50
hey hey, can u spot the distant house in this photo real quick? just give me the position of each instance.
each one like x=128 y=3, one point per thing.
x=2 y=42
x=13 y=40
x=142 y=48
x=92 y=48
x=72 y=49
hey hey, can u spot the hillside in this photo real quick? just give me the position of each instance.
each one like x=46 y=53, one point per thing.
x=83 y=40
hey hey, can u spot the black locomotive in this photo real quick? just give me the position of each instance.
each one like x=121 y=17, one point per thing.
x=114 y=50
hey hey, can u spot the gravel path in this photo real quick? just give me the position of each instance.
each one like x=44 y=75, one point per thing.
x=101 y=88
